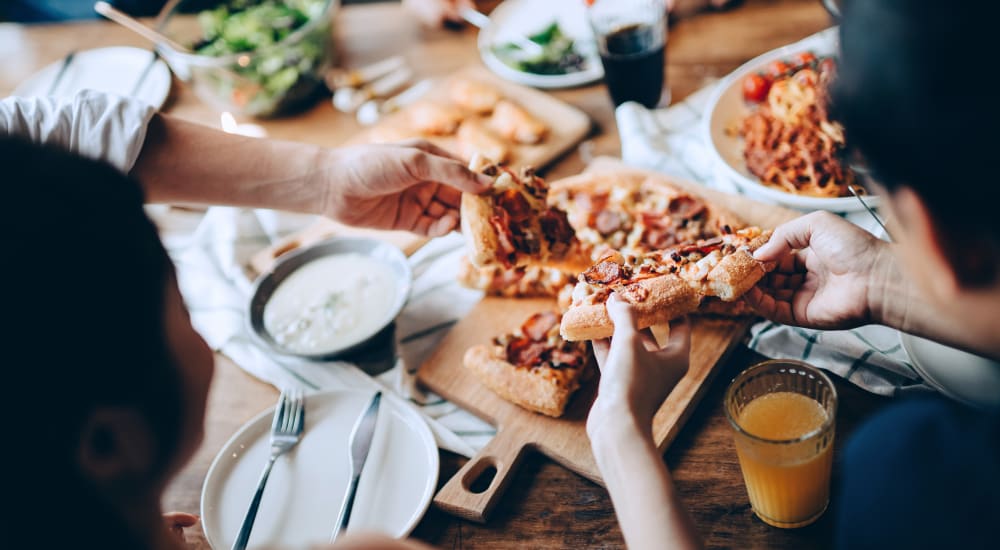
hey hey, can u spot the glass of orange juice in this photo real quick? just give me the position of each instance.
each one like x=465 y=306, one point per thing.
x=783 y=412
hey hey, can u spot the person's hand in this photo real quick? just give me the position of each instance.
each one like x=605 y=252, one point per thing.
x=178 y=521
x=437 y=12
x=412 y=186
x=825 y=273
x=637 y=375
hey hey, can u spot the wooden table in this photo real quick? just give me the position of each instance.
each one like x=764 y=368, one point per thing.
x=547 y=506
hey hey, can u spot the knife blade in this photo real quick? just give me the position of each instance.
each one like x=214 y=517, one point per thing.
x=361 y=442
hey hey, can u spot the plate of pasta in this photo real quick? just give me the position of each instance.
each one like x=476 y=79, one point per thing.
x=770 y=133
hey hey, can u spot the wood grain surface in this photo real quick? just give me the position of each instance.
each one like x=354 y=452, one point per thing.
x=546 y=505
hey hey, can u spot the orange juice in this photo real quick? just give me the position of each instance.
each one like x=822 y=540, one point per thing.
x=786 y=459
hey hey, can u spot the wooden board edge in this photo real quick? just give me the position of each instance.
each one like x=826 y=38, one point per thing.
x=673 y=428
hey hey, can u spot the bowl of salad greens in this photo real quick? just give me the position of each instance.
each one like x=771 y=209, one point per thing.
x=261 y=58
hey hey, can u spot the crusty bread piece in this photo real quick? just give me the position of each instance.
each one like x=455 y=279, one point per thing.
x=480 y=237
x=534 y=389
x=513 y=122
x=669 y=298
x=474 y=95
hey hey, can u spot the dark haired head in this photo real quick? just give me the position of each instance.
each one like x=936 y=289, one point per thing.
x=914 y=92
x=84 y=283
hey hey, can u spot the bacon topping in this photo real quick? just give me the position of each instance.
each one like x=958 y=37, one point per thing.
x=556 y=227
x=564 y=358
x=604 y=272
x=525 y=352
x=537 y=326
x=607 y=222
x=515 y=204
x=686 y=207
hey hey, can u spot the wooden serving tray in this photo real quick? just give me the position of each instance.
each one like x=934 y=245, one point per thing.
x=564 y=439
x=567 y=127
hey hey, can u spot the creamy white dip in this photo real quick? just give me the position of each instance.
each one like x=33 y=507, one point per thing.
x=331 y=303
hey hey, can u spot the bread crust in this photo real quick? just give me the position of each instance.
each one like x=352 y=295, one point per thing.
x=669 y=298
x=734 y=276
x=524 y=387
x=480 y=236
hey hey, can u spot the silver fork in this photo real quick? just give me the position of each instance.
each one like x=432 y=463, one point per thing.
x=286 y=430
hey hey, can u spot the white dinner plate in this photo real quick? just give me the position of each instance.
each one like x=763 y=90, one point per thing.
x=114 y=70
x=307 y=486
x=527 y=17
x=960 y=375
x=726 y=108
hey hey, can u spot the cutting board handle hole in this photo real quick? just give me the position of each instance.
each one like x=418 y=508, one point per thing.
x=480 y=477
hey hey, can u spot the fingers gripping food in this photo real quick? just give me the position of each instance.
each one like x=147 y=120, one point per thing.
x=664 y=285
x=511 y=225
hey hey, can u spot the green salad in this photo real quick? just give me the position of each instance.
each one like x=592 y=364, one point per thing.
x=277 y=70
x=558 y=56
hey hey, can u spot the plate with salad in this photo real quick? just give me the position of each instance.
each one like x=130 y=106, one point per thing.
x=568 y=55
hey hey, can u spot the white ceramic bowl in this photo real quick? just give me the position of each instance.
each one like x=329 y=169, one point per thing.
x=525 y=17
x=726 y=107
x=960 y=375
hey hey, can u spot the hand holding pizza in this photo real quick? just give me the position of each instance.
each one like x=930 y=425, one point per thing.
x=635 y=373
x=829 y=274
x=411 y=186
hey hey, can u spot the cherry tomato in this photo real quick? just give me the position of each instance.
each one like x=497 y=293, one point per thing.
x=755 y=88
x=804 y=58
x=778 y=68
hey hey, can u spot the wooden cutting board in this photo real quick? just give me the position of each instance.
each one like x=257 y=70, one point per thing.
x=567 y=124
x=564 y=440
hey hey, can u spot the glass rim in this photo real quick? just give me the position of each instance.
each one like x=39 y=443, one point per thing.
x=827 y=424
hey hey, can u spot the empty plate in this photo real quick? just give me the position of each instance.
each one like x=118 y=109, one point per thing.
x=307 y=486
x=119 y=70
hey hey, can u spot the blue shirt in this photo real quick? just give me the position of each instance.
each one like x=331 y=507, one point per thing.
x=924 y=473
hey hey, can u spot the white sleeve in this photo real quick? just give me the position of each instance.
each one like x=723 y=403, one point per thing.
x=91 y=124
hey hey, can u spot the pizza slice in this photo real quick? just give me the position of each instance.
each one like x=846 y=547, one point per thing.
x=666 y=284
x=533 y=367
x=512 y=226
x=516 y=282
x=636 y=212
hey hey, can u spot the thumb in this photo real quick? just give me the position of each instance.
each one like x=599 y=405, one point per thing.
x=788 y=237
x=622 y=315
x=453 y=174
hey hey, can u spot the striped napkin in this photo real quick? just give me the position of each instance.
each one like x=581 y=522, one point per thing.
x=671 y=141
x=210 y=252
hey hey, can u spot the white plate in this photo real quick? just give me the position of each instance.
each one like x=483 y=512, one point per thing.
x=527 y=17
x=115 y=70
x=726 y=107
x=962 y=376
x=303 y=497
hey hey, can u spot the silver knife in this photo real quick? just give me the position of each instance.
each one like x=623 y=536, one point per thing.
x=361 y=442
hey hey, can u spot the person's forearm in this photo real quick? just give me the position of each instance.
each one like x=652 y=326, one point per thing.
x=642 y=491
x=896 y=301
x=187 y=163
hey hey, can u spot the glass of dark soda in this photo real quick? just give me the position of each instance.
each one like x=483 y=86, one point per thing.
x=632 y=40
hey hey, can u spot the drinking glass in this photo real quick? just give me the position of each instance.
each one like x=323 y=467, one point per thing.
x=784 y=413
x=632 y=40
